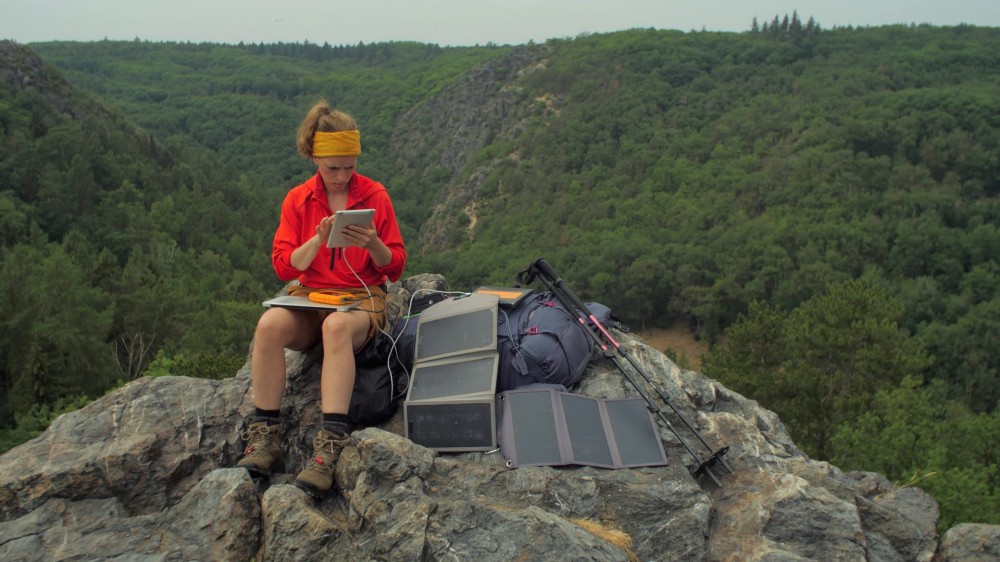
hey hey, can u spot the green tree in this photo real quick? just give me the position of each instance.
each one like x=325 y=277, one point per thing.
x=149 y=303
x=914 y=434
x=969 y=353
x=752 y=360
x=823 y=363
x=845 y=345
x=55 y=327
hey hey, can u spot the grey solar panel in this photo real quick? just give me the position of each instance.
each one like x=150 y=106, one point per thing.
x=633 y=433
x=545 y=426
x=536 y=431
x=450 y=402
x=456 y=326
x=587 y=437
x=467 y=425
x=454 y=377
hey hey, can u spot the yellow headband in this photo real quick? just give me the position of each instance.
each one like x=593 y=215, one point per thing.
x=339 y=143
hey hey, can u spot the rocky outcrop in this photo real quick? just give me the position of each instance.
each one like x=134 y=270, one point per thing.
x=21 y=69
x=971 y=541
x=144 y=473
x=445 y=135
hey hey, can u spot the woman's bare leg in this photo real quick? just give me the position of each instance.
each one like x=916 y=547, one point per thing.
x=277 y=329
x=342 y=334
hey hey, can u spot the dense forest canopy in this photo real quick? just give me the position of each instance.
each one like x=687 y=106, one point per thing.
x=826 y=199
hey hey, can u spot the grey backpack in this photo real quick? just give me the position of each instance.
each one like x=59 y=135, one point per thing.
x=540 y=341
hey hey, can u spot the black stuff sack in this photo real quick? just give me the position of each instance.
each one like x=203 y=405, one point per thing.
x=380 y=381
x=382 y=368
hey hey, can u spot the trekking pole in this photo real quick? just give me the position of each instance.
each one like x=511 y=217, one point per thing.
x=543 y=270
x=546 y=270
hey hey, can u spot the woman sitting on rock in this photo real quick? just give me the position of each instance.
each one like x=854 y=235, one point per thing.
x=375 y=254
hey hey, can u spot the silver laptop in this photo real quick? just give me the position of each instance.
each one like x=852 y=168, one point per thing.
x=288 y=301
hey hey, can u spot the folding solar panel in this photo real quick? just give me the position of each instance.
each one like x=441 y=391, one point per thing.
x=450 y=402
x=544 y=426
x=633 y=432
x=462 y=425
x=457 y=326
x=454 y=377
x=588 y=438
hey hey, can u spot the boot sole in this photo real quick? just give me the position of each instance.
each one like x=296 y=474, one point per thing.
x=257 y=472
x=312 y=490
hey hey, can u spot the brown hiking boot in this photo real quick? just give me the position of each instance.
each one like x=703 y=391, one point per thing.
x=263 y=450
x=317 y=477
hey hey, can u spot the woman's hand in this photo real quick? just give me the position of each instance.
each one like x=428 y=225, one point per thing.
x=304 y=255
x=368 y=239
x=360 y=236
x=323 y=229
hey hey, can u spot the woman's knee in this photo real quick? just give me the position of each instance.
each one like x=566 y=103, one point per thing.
x=335 y=325
x=340 y=329
x=275 y=326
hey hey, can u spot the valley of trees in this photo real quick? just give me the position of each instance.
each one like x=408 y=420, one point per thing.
x=820 y=205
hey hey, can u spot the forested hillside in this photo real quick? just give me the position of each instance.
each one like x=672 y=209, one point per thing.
x=115 y=246
x=831 y=197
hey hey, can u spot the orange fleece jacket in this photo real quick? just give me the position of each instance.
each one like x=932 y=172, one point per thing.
x=304 y=206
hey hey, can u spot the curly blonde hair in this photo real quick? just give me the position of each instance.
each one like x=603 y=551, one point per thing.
x=323 y=118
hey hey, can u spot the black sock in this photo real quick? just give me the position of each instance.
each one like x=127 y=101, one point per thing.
x=272 y=417
x=337 y=424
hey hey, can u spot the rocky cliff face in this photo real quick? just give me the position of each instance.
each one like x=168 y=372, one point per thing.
x=447 y=132
x=22 y=69
x=144 y=473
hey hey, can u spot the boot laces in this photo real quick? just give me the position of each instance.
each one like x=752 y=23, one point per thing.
x=256 y=437
x=327 y=448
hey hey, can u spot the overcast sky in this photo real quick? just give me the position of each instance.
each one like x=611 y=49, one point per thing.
x=445 y=22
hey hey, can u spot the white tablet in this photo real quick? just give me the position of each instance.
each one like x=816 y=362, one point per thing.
x=343 y=219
